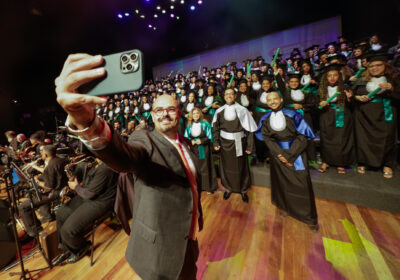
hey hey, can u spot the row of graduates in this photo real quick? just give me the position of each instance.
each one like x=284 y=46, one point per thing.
x=353 y=129
x=357 y=121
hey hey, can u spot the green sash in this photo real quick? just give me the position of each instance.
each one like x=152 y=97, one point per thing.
x=387 y=107
x=339 y=114
x=301 y=111
x=206 y=127
x=262 y=110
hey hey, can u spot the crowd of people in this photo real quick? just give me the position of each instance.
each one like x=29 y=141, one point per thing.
x=353 y=129
x=236 y=115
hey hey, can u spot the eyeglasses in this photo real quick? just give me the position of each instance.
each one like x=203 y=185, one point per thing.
x=170 y=110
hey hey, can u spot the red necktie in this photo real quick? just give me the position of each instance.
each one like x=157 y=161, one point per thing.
x=193 y=184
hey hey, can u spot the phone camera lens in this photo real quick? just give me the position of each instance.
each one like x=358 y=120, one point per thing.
x=129 y=67
x=133 y=56
x=124 y=58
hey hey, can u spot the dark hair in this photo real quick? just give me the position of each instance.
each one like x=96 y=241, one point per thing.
x=50 y=150
x=36 y=136
x=323 y=88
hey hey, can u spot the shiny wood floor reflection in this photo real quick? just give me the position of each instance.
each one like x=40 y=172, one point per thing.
x=251 y=241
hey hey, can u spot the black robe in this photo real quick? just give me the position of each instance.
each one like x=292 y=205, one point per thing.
x=309 y=104
x=291 y=189
x=375 y=137
x=210 y=113
x=260 y=108
x=245 y=96
x=337 y=143
x=234 y=171
x=207 y=169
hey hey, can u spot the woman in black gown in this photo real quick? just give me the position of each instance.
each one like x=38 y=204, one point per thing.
x=199 y=131
x=375 y=116
x=336 y=121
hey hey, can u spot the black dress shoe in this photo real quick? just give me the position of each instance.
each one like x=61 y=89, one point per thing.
x=76 y=257
x=34 y=231
x=314 y=228
x=245 y=198
x=227 y=195
x=64 y=255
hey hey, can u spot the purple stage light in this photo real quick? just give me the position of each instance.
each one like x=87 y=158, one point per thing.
x=192 y=8
x=119 y=15
x=172 y=15
x=150 y=26
x=199 y=2
x=127 y=14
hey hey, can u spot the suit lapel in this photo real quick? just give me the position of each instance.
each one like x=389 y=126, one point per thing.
x=170 y=154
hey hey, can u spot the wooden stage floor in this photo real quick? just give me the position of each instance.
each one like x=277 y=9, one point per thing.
x=251 y=241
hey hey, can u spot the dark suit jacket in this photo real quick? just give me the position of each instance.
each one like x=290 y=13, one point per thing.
x=163 y=201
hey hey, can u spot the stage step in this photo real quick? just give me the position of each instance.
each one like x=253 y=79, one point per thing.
x=370 y=190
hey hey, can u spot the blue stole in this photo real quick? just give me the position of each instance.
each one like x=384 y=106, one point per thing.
x=301 y=127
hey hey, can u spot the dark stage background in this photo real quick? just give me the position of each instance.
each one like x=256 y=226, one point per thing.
x=37 y=36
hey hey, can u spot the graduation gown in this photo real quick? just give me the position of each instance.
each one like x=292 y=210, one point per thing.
x=260 y=108
x=308 y=101
x=337 y=134
x=244 y=100
x=291 y=187
x=233 y=164
x=201 y=92
x=207 y=102
x=202 y=131
x=375 y=124
x=186 y=108
x=145 y=112
x=119 y=115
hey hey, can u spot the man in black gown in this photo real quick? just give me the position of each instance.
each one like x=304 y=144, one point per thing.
x=232 y=127
x=285 y=132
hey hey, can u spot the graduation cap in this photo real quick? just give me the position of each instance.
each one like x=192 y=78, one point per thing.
x=337 y=56
x=303 y=61
x=362 y=41
x=334 y=44
x=315 y=46
x=234 y=63
x=378 y=56
x=333 y=66
x=294 y=75
x=321 y=52
x=260 y=58
x=295 y=50
x=309 y=49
